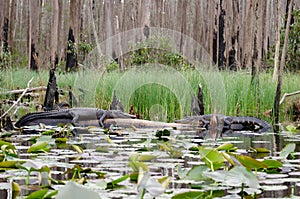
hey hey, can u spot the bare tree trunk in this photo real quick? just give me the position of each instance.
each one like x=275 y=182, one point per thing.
x=242 y=38
x=227 y=37
x=54 y=32
x=221 y=36
x=33 y=33
x=277 y=46
x=29 y=35
x=75 y=11
x=4 y=18
x=60 y=32
x=71 y=57
x=282 y=64
x=146 y=18
x=215 y=42
x=248 y=37
x=12 y=22
x=232 y=59
x=182 y=5
x=256 y=53
x=264 y=38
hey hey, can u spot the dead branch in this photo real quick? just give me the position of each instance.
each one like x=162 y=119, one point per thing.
x=19 y=99
x=12 y=92
x=288 y=95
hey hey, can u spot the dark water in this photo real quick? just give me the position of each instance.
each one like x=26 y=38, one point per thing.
x=118 y=147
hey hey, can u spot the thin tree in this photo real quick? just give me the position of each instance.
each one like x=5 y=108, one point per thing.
x=277 y=45
x=282 y=64
x=54 y=32
x=29 y=35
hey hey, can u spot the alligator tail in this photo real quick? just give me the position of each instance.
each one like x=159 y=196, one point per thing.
x=118 y=114
x=41 y=115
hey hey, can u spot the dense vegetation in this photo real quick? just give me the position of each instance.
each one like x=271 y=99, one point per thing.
x=240 y=99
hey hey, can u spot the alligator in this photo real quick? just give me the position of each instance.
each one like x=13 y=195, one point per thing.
x=228 y=123
x=73 y=116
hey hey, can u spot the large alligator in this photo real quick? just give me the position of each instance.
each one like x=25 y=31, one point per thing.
x=228 y=123
x=73 y=116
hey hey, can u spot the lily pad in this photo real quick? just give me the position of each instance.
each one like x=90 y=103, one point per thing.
x=37 y=194
x=213 y=158
x=250 y=163
x=38 y=147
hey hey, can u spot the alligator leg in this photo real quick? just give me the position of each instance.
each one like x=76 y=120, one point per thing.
x=75 y=117
x=101 y=120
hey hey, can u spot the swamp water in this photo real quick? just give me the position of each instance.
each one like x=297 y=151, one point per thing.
x=98 y=158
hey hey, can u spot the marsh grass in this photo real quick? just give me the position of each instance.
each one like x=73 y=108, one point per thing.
x=163 y=94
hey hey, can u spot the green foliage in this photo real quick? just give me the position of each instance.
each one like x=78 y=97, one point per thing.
x=7 y=150
x=71 y=48
x=38 y=194
x=84 y=47
x=39 y=147
x=78 y=173
x=212 y=158
x=287 y=150
x=5 y=60
x=112 y=66
x=157 y=50
x=114 y=183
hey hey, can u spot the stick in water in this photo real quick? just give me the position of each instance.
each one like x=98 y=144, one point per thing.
x=19 y=99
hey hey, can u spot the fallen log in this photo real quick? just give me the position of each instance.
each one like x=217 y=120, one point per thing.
x=19 y=91
x=139 y=123
x=126 y=123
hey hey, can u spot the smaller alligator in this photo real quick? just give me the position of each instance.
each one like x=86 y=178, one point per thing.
x=74 y=115
x=229 y=123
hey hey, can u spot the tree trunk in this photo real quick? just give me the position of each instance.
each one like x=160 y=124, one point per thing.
x=232 y=59
x=71 y=62
x=282 y=64
x=51 y=93
x=277 y=46
x=29 y=35
x=215 y=38
x=255 y=56
x=12 y=21
x=221 y=35
x=248 y=37
x=34 y=62
x=54 y=32
x=33 y=33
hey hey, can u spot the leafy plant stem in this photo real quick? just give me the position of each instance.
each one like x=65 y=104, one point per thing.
x=143 y=193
